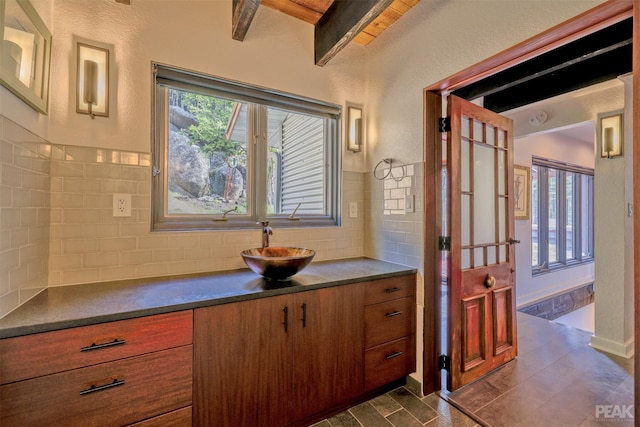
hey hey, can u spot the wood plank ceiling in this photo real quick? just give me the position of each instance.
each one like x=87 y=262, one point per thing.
x=336 y=22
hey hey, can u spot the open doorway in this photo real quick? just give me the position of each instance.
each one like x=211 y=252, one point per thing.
x=600 y=17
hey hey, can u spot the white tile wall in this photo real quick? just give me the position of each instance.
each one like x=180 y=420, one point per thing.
x=88 y=244
x=24 y=215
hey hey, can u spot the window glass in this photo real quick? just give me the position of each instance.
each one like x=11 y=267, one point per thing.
x=227 y=154
x=534 y=216
x=561 y=215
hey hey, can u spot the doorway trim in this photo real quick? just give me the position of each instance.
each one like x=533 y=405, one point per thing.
x=595 y=19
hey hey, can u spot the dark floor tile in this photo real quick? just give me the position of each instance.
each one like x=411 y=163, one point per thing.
x=403 y=418
x=448 y=412
x=474 y=396
x=385 y=404
x=344 y=419
x=514 y=405
x=413 y=404
x=367 y=415
x=323 y=423
x=561 y=412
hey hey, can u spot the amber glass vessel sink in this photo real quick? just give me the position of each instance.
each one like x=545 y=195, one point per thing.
x=277 y=263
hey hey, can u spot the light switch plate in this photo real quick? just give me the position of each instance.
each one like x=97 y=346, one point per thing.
x=409 y=202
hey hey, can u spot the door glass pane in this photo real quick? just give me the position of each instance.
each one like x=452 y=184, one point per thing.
x=466 y=220
x=478 y=257
x=465 y=127
x=465 y=260
x=502 y=220
x=491 y=255
x=484 y=199
x=503 y=253
x=491 y=135
x=465 y=166
x=477 y=131
x=502 y=138
x=553 y=215
x=502 y=176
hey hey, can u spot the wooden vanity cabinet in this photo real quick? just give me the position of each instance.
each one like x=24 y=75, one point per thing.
x=111 y=374
x=278 y=360
x=390 y=322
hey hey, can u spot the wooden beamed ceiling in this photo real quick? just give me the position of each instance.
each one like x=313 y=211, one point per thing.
x=337 y=22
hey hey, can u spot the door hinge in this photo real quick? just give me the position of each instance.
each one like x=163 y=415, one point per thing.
x=444 y=243
x=155 y=171
x=444 y=124
x=444 y=362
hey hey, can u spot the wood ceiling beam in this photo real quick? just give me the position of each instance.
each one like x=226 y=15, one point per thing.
x=243 y=13
x=341 y=23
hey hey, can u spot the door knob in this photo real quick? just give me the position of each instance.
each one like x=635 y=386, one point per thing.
x=489 y=281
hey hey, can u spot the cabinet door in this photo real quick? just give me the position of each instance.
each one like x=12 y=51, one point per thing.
x=243 y=364
x=328 y=348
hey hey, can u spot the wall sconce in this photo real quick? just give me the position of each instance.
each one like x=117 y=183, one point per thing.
x=354 y=127
x=92 y=90
x=610 y=131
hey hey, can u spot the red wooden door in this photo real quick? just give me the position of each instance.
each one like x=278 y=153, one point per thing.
x=481 y=321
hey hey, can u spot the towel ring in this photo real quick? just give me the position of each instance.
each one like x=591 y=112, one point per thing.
x=390 y=172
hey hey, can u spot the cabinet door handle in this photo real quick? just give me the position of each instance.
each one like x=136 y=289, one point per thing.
x=95 y=388
x=396 y=354
x=304 y=315
x=95 y=346
x=394 y=313
x=394 y=289
x=286 y=318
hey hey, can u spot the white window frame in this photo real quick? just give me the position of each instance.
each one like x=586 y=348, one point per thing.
x=258 y=98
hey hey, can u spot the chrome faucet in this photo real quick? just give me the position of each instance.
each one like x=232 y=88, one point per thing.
x=266 y=232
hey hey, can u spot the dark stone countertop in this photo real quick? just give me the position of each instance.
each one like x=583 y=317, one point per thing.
x=80 y=305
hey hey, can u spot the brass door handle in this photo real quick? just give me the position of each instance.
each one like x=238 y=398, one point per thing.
x=489 y=281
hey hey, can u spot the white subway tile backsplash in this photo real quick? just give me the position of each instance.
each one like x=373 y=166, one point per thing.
x=63 y=196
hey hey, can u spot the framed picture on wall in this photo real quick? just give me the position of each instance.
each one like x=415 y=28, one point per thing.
x=25 y=53
x=521 y=186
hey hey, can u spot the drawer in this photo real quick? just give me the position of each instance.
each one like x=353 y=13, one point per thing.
x=388 y=289
x=388 y=321
x=389 y=362
x=124 y=392
x=180 y=418
x=35 y=355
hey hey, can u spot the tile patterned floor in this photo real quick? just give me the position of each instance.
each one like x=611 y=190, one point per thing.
x=400 y=408
x=556 y=381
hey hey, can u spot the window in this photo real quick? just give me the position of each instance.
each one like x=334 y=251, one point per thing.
x=562 y=215
x=228 y=154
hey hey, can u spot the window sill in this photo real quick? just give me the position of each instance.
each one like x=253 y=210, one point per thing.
x=539 y=271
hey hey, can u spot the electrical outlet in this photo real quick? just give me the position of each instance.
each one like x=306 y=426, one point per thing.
x=122 y=205
x=353 y=210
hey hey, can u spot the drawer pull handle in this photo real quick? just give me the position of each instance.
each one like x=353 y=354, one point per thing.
x=95 y=388
x=396 y=354
x=394 y=313
x=394 y=289
x=285 y=310
x=95 y=346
